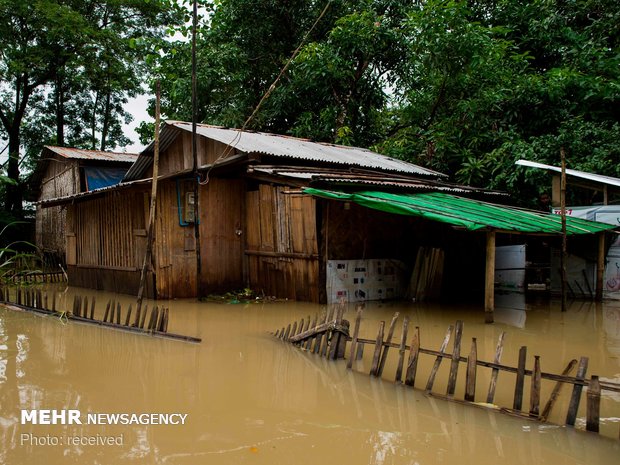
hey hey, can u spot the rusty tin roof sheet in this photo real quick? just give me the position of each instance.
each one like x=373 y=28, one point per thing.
x=83 y=154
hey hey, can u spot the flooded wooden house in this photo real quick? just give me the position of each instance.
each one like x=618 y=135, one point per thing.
x=64 y=171
x=286 y=217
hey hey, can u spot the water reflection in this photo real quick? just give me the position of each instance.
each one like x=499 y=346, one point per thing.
x=253 y=399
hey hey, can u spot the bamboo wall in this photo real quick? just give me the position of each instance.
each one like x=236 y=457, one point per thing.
x=61 y=178
x=281 y=243
x=106 y=241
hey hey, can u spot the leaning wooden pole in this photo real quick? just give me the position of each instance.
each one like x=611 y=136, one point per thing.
x=563 y=255
x=153 y=206
x=195 y=152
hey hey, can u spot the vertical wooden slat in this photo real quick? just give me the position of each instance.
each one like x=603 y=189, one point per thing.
x=414 y=353
x=495 y=372
x=386 y=347
x=535 y=390
x=556 y=392
x=470 y=377
x=573 y=405
x=128 y=318
x=378 y=345
x=456 y=356
x=442 y=350
x=401 y=350
x=356 y=331
x=593 y=405
x=518 y=400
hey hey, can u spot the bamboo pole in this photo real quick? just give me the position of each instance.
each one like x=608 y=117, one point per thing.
x=153 y=206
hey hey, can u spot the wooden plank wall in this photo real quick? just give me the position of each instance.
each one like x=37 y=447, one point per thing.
x=178 y=156
x=281 y=243
x=221 y=234
x=175 y=256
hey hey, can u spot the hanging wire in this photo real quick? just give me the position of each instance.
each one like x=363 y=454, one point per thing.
x=237 y=137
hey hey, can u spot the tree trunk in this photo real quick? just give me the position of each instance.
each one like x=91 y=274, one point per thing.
x=13 y=200
x=106 y=121
x=60 y=113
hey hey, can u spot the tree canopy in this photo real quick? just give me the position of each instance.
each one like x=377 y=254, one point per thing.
x=464 y=87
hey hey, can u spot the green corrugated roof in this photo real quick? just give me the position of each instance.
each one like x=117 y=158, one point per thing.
x=470 y=214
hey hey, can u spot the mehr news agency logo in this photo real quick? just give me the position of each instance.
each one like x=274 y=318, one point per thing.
x=75 y=417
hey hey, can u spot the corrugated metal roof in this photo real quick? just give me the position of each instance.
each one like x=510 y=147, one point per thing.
x=83 y=154
x=469 y=214
x=285 y=147
x=317 y=176
x=598 y=178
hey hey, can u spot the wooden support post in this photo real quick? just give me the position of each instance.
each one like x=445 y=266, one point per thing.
x=92 y=309
x=85 y=308
x=470 y=378
x=594 y=405
x=294 y=329
x=414 y=353
x=495 y=372
x=54 y=301
x=388 y=340
x=378 y=345
x=573 y=405
x=118 y=313
x=489 y=287
x=401 y=351
x=518 y=400
x=356 y=331
x=600 y=267
x=556 y=392
x=287 y=332
x=535 y=390
x=438 y=360
x=456 y=357
x=563 y=254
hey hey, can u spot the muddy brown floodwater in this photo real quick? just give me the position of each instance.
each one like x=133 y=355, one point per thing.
x=252 y=399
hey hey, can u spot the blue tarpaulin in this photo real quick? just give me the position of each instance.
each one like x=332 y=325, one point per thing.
x=98 y=177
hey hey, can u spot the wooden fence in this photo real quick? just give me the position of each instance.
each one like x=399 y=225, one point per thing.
x=83 y=311
x=36 y=277
x=328 y=336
